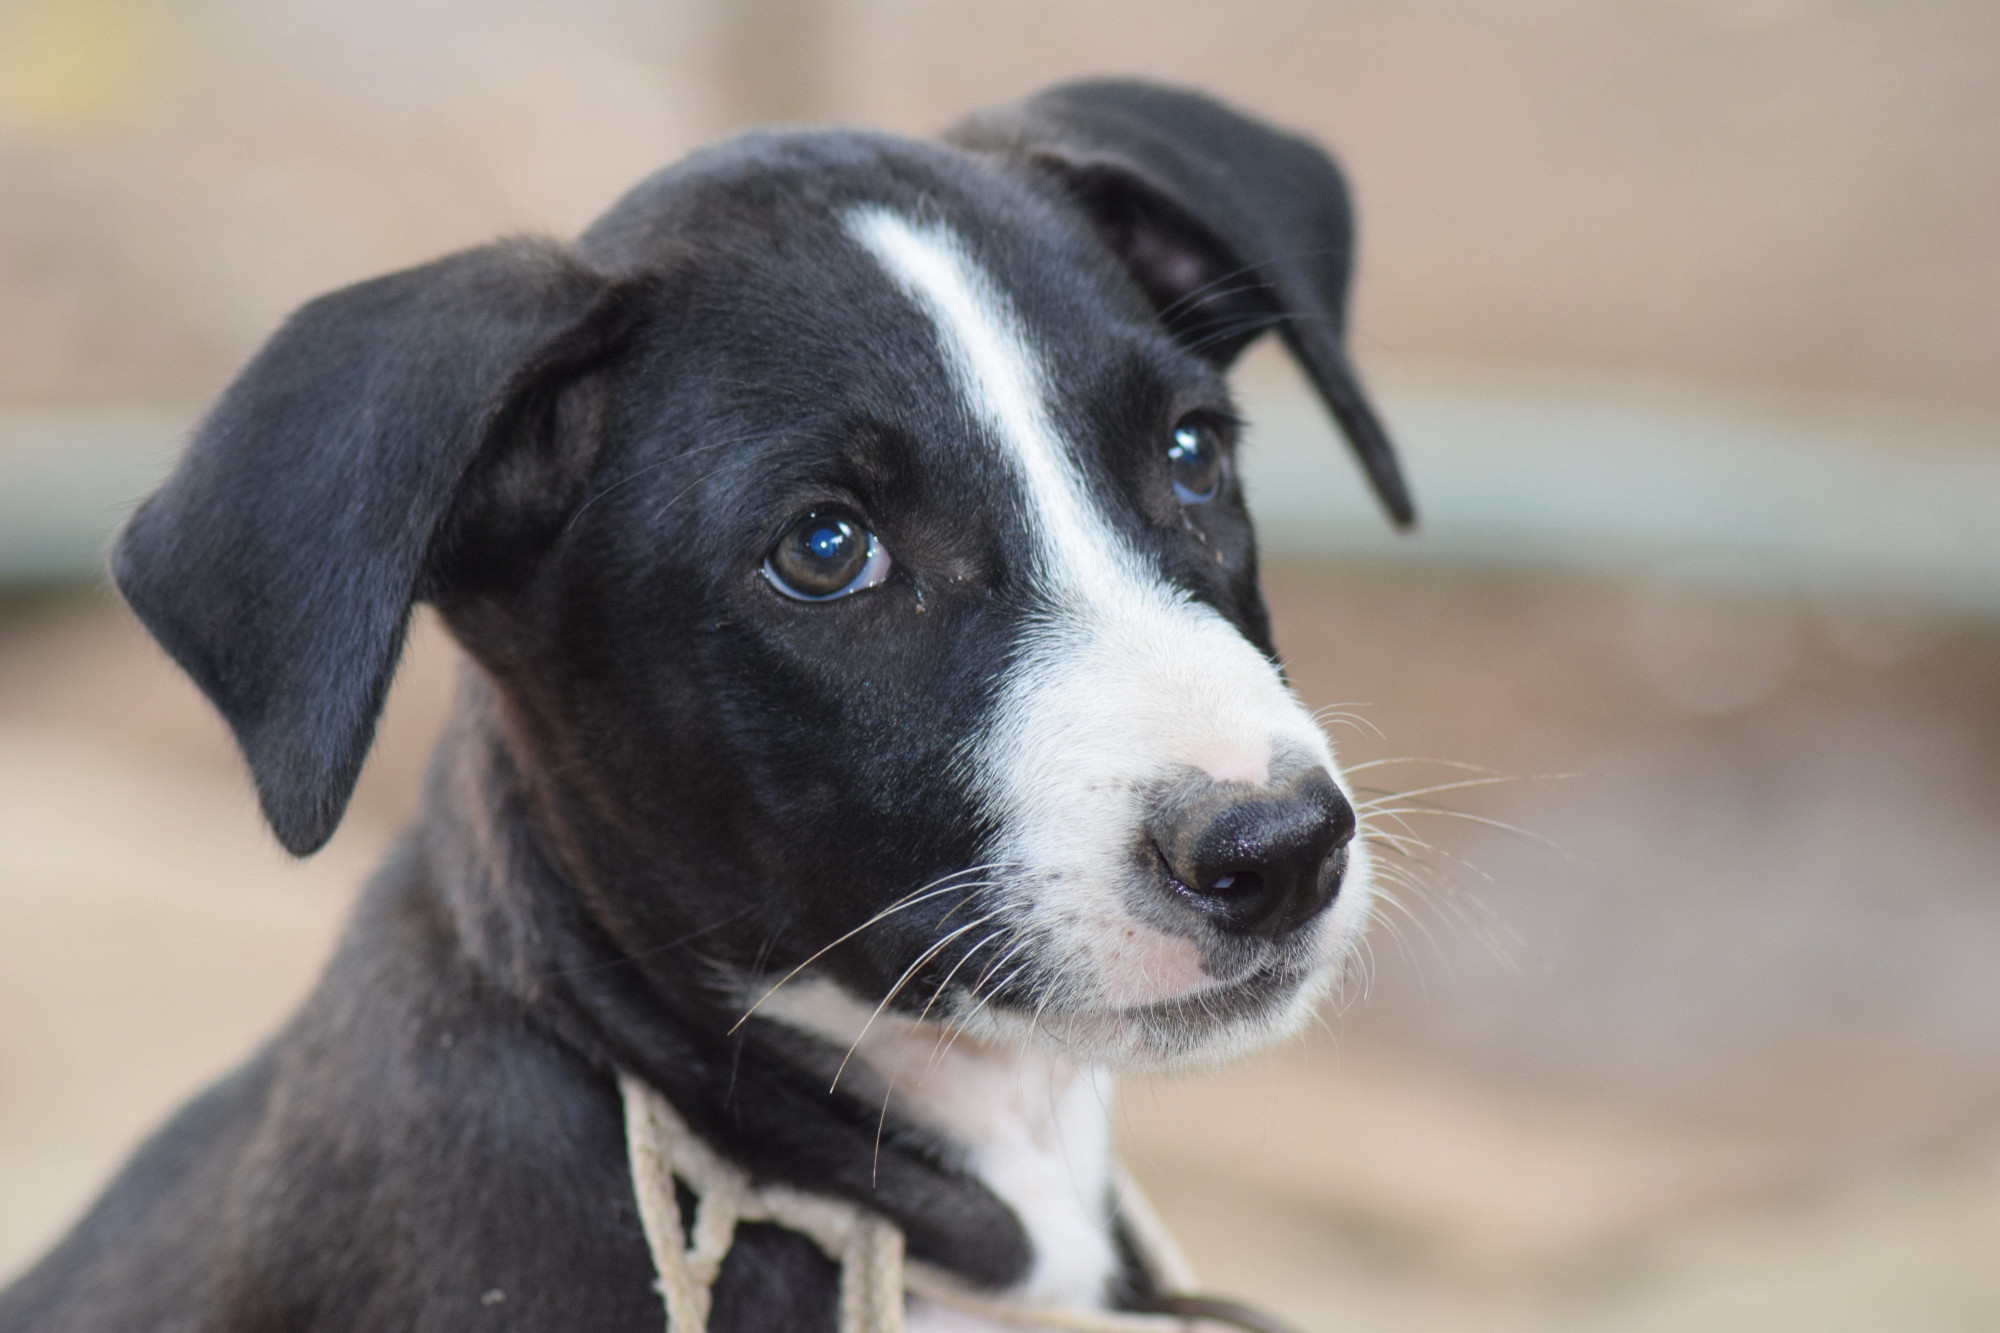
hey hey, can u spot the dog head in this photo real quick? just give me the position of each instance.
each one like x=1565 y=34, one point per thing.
x=849 y=531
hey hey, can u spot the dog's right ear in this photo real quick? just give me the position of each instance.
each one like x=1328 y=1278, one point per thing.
x=280 y=561
x=1229 y=226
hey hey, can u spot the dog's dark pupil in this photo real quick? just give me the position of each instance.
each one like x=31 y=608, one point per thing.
x=822 y=555
x=1195 y=457
x=827 y=544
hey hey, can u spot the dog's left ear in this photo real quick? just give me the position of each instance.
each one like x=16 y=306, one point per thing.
x=318 y=502
x=1230 y=227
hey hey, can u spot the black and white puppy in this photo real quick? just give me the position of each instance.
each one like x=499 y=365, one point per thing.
x=864 y=636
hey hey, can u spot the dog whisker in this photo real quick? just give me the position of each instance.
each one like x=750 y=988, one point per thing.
x=744 y=460
x=653 y=951
x=1419 y=759
x=1464 y=910
x=1390 y=899
x=1410 y=864
x=897 y=989
x=1342 y=713
x=655 y=466
x=1187 y=315
x=1252 y=326
x=956 y=1023
x=993 y=969
x=1205 y=292
x=1409 y=849
x=749 y=437
x=896 y=1069
x=1398 y=843
x=931 y=1062
x=1410 y=852
x=1255 y=324
x=937 y=888
x=1501 y=824
x=1394 y=929
x=973 y=891
x=1373 y=820
x=1498 y=779
x=964 y=958
x=960 y=1024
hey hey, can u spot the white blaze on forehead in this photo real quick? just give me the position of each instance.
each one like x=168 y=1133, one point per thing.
x=999 y=374
x=1124 y=680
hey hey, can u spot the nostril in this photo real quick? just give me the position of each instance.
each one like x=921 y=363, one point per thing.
x=1236 y=883
x=1345 y=823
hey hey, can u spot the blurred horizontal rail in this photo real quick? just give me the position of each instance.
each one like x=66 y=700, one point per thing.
x=67 y=480
x=1555 y=483
x=1604 y=486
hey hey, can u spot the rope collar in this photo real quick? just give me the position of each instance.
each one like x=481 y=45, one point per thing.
x=874 y=1274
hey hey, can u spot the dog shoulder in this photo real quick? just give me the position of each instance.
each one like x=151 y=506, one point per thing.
x=132 y=1262
x=412 y=1151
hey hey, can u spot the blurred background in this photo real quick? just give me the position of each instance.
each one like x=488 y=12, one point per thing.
x=1682 y=709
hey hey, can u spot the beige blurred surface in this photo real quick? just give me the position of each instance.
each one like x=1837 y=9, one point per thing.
x=1799 y=196
x=1720 y=1059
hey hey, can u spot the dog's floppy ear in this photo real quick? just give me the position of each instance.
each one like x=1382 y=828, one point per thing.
x=1230 y=226
x=280 y=561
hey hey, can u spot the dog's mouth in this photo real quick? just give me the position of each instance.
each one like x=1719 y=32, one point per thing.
x=1165 y=964
x=1257 y=988
x=1240 y=994
x=1126 y=963
x=1120 y=993
x=1204 y=1026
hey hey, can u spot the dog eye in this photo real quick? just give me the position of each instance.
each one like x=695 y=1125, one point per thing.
x=824 y=556
x=1196 y=460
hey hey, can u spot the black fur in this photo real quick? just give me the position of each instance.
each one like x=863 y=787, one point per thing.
x=660 y=776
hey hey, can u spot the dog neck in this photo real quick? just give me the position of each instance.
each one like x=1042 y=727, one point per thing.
x=994 y=1162
x=1032 y=1127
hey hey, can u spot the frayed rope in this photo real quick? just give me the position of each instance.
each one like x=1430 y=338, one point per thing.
x=874 y=1274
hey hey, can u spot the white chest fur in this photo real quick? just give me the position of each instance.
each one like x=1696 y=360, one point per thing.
x=1035 y=1129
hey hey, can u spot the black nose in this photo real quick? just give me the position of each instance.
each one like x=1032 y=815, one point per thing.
x=1257 y=860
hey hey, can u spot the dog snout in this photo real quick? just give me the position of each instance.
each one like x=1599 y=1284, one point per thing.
x=1261 y=860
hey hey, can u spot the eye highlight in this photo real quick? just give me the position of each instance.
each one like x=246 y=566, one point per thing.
x=1196 y=460
x=826 y=554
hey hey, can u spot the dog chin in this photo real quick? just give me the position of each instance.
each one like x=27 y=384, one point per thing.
x=1144 y=1002
x=1206 y=1027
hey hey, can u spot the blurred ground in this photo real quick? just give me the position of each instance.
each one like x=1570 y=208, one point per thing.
x=1719 y=1059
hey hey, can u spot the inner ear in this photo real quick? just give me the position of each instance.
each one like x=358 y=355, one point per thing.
x=1210 y=300
x=532 y=475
